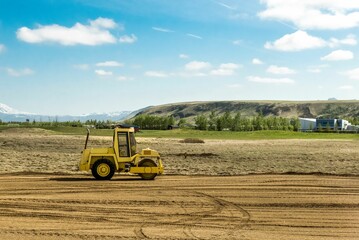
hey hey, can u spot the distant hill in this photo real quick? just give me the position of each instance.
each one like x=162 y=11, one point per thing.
x=9 y=114
x=189 y=110
x=49 y=118
x=306 y=109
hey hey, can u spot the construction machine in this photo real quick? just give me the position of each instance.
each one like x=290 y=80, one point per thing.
x=121 y=157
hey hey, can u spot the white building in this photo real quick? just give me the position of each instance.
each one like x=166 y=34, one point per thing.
x=307 y=124
x=312 y=124
x=353 y=128
x=333 y=124
x=344 y=124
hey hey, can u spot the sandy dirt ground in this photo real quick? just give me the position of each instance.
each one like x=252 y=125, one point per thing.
x=38 y=150
x=206 y=192
x=269 y=207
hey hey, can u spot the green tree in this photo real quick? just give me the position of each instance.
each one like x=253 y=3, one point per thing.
x=219 y=124
x=244 y=124
x=327 y=127
x=284 y=124
x=270 y=123
x=145 y=121
x=129 y=122
x=201 y=122
x=171 y=120
x=139 y=121
x=276 y=123
x=320 y=128
x=182 y=122
x=336 y=126
x=236 y=122
x=227 y=120
x=212 y=121
x=259 y=122
x=311 y=126
x=295 y=122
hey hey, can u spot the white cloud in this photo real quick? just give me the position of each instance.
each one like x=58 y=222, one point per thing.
x=19 y=73
x=270 y=80
x=156 y=74
x=183 y=56
x=201 y=69
x=96 y=33
x=162 y=29
x=2 y=48
x=280 y=70
x=256 y=61
x=309 y=14
x=192 y=74
x=346 y=87
x=353 y=74
x=197 y=66
x=103 y=23
x=101 y=72
x=109 y=64
x=349 y=40
x=128 y=39
x=300 y=40
x=225 y=69
x=193 y=36
x=338 y=55
x=82 y=66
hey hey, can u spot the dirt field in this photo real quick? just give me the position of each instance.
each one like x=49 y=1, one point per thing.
x=37 y=150
x=43 y=196
x=179 y=207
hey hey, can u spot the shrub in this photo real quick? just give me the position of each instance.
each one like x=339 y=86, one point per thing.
x=192 y=140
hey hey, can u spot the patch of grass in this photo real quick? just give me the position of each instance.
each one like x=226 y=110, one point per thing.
x=191 y=134
x=255 y=135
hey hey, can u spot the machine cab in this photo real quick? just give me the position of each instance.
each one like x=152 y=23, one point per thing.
x=124 y=143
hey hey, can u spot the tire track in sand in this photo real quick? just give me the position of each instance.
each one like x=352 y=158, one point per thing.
x=241 y=220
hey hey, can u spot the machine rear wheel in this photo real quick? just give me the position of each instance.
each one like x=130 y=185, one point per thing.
x=103 y=169
x=147 y=163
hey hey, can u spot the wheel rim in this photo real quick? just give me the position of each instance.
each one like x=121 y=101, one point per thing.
x=103 y=170
x=148 y=175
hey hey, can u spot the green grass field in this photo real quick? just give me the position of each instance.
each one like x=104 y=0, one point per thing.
x=188 y=133
x=255 y=135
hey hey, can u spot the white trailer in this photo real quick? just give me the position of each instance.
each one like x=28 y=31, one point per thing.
x=307 y=124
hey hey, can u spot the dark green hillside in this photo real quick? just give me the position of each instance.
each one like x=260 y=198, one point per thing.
x=287 y=109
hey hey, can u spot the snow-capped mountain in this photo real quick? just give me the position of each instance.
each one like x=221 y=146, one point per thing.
x=9 y=114
x=8 y=110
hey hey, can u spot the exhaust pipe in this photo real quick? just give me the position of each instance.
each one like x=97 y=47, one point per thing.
x=87 y=137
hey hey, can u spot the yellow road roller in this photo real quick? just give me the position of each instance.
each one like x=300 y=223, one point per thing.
x=121 y=157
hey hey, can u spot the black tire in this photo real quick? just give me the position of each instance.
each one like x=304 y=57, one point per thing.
x=103 y=169
x=147 y=163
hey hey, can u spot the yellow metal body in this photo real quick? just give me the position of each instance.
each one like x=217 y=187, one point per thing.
x=123 y=155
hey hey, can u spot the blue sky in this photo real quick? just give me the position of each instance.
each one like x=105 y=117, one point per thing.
x=75 y=57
